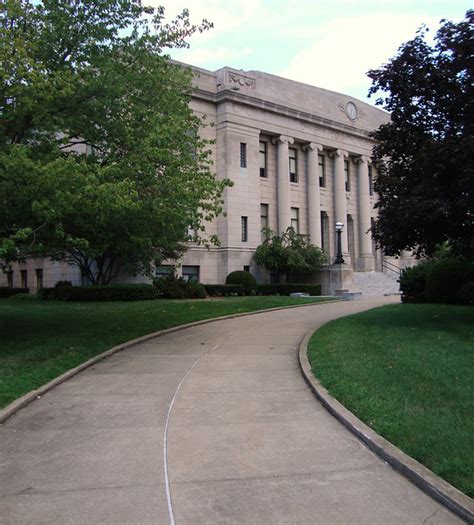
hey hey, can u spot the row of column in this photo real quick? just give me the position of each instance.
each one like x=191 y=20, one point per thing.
x=314 y=206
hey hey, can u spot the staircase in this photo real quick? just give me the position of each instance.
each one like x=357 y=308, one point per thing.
x=376 y=283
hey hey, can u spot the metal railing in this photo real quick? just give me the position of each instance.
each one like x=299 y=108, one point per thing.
x=386 y=265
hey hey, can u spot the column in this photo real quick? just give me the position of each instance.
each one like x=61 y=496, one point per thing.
x=366 y=258
x=340 y=207
x=283 y=183
x=314 y=201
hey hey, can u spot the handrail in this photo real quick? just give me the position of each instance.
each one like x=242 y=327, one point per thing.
x=391 y=267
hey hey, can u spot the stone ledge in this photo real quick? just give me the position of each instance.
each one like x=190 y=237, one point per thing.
x=426 y=480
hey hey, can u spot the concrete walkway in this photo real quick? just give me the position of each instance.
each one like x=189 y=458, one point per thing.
x=242 y=440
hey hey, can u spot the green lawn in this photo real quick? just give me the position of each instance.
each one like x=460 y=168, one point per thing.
x=408 y=372
x=40 y=340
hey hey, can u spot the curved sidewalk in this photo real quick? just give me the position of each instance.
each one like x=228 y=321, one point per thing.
x=219 y=418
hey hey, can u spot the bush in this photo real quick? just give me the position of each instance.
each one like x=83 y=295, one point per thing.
x=288 y=288
x=240 y=277
x=224 y=290
x=63 y=283
x=111 y=292
x=9 y=292
x=413 y=282
x=173 y=287
x=450 y=282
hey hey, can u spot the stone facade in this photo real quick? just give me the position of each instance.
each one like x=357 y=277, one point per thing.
x=258 y=121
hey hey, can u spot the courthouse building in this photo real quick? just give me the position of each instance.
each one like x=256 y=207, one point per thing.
x=298 y=155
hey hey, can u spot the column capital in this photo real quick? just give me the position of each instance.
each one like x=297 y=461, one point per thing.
x=339 y=153
x=362 y=159
x=312 y=146
x=282 y=139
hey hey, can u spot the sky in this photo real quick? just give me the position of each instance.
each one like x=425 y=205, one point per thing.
x=326 y=43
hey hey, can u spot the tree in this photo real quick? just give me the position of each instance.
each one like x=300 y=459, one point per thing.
x=101 y=162
x=288 y=253
x=426 y=178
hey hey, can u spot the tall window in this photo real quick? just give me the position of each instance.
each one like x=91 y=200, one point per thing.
x=191 y=273
x=263 y=219
x=371 y=181
x=39 y=278
x=322 y=171
x=10 y=279
x=243 y=155
x=293 y=170
x=244 y=228
x=295 y=219
x=347 y=175
x=262 y=152
x=24 y=278
x=325 y=232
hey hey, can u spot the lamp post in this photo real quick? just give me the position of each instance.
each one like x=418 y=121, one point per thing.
x=339 y=258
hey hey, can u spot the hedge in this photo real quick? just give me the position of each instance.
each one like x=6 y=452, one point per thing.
x=450 y=282
x=262 y=289
x=9 y=292
x=241 y=277
x=112 y=292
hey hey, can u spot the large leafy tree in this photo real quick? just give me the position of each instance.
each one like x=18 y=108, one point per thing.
x=426 y=177
x=289 y=252
x=101 y=162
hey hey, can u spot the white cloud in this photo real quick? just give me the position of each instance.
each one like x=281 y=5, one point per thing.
x=221 y=54
x=346 y=48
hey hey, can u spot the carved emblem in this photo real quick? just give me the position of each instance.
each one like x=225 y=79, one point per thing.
x=241 y=80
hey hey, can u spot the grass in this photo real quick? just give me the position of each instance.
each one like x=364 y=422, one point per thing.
x=407 y=371
x=42 y=339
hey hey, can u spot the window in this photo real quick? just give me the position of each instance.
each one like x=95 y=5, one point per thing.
x=191 y=274
x=371 y=181
x=263 y=219
x=262 y=153
x=163 y=271
x=247 y=269
x=39 y=278
x=243 y=155
x=10 y=279
x=347 y=175
x=24 y=278
x=325 y=232
x=295 y=219
x=244 y=228
x=322 y=171
x=293 y=171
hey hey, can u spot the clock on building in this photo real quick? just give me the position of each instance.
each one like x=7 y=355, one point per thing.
x=352 y=111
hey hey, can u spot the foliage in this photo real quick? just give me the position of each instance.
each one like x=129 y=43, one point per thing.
x=101 y=163
x=413 y=282
x=111 y=292
x=449 y=282
x=425 y=178
x=407 y=371
x=288 y=288
x=246 y=279
x=10 y=292
x=173 y=287
x=289 y=252
x=262 y=289
x=226 y=290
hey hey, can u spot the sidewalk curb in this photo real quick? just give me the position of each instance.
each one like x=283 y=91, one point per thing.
x=26 y=399
x=440 y=490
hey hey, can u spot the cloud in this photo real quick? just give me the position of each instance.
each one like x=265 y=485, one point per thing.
x=220 y=54
x=344 y=49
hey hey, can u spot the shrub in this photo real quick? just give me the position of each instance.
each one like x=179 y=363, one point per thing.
x=288 y=288
x=9 y=292
x=111 y=292
x=413 y=282
x=63 y=283
x=224 y=290
x=245 y=279
x=173 y=287
x=450 y=282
